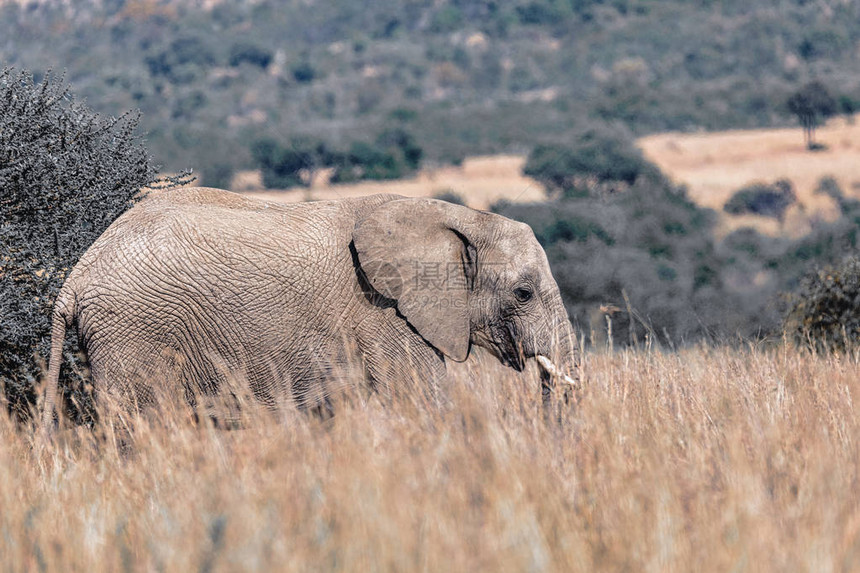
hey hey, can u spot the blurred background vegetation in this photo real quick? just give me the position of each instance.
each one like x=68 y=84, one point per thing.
x=378 y=90
x=460 y=76
x=627 y=246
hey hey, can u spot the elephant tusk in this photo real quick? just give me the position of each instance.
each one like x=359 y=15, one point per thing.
x=555 y=371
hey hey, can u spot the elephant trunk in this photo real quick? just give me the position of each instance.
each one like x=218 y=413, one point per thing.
x=559 y=359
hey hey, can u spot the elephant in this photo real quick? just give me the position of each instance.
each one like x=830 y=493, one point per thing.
x=192 y=289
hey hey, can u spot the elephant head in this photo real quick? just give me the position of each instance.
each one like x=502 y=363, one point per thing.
x=463 y=277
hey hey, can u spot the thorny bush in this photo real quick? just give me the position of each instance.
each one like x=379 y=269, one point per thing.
x=65 y=174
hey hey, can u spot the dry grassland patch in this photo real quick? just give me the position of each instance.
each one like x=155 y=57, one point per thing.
x=480 y=181
x=709 y=459
x=715 y=165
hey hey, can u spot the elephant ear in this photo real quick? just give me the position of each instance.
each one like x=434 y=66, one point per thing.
x=414 y=251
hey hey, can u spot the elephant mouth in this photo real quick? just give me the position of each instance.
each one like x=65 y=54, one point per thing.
x=512 y=360
x=509 y=351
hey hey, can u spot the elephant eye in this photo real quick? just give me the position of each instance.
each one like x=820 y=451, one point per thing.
x=523 y=294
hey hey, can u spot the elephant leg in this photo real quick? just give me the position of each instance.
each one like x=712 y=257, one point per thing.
x=323 y=371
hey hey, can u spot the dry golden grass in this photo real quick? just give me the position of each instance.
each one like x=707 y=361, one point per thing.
x=703 y=460
x=715 y=165
x=480 y=181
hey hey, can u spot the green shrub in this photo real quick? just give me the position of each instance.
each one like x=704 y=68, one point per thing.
x=393 y=155
x=446 y=19
x=403 y=114
x=762 y=199
x=573 y=229
x=848 y=106
x=183 y=60
x=402 y=144
x=451 y=197
x=218 y=175
x=251 y=53
x=825 y=312
x=288 y=165
x=830 y=187
x=304 y=72
x=544 y=12
x=367 y=161
x=597 y=158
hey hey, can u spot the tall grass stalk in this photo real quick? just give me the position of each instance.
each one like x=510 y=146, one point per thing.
x=707 y=459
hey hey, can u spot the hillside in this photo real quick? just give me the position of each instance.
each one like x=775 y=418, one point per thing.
x=464 y=77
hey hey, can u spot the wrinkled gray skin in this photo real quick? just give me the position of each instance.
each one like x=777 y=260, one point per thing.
x=192 y=290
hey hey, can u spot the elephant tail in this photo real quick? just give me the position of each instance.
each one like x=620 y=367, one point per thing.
x=63 y=310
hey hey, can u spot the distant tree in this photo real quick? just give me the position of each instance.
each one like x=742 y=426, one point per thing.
x=394 y=154
x=402 y=143
x=366 y=161
x=829 y=186
x=183 y=60
x=573 y=228
x=450 y=196
x=247 y=52
x=848 y=106
x=219 y=175
x=295 y=163
x=596 y=158
x=811 y=104
x=544 y=12
x=304 y=72
x=446 y=19
x=403 y=114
